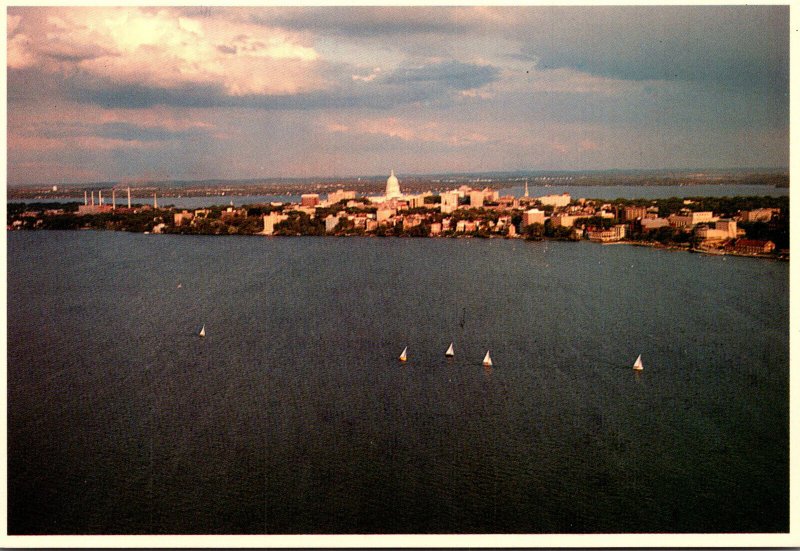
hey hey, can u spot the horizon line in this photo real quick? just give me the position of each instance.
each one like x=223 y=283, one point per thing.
x=311 y=179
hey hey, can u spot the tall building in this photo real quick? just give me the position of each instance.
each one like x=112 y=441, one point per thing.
x=392 y=187
x=532 y=216
x=475 y=198
x=632 y=213
x=309 y=199
x=449 y=201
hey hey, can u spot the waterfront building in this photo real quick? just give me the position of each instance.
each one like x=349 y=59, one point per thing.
x=532 y=216
x=754 y=246
x=271 y=220
x=556 y=200
x=707 y=233
x=411 y=221
x=615 y=233
x=179 y=217
x=512 y=230
x=449 y=202
x=331 y=222
x=436 y=228
x=372 y=224
x=309 y=199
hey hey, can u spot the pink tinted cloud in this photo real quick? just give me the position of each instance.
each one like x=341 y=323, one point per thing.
x=161 y=47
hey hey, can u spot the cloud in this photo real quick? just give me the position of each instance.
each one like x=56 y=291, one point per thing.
x=409 y=131
x=742 y=46
x=452 y=74
x=160 y=48
x=364 y=21
x=422 y=83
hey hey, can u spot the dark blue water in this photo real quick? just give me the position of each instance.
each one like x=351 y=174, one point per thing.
x=293 y=415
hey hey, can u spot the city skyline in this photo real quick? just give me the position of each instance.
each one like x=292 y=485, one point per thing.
x=106 y=94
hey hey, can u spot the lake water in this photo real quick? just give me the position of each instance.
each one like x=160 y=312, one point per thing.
x=294 y=415
x=595 y=192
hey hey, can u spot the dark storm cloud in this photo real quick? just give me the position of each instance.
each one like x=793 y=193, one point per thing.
x=406 y=85
x=122 y=131
x=742 y=46
x=451 y=74
x=363 y=21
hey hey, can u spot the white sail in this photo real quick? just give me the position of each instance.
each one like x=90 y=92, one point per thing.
x=487 y=360
x=404 y=355
x=203 y=331
x=450 y=351
x=638 y=365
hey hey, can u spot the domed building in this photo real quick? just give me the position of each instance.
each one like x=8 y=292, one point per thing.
x=392 y=187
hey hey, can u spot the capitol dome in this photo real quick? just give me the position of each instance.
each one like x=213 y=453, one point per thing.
x=392 y=187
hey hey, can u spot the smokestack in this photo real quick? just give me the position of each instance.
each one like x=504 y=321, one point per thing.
x=113 y=198
x=85 y=198
x=129 y=196
x=155 y=201
x=92 y=197
x=100 y=197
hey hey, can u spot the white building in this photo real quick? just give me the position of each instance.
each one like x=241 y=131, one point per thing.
x=271 y=220
x=555 y=200
x=449 y=202
x=339 y=195
x=689 y=220
x=392 y=187
x=330 y=223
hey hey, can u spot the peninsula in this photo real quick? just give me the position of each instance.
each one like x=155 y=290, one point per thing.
x=753 y=226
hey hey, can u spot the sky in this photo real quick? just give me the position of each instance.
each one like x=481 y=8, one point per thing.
x=129 y=94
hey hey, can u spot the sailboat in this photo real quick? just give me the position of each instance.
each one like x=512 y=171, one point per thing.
x=450 y=352
x=487 y=360
x=202 y=332
x=637 y=365
x=404 y=355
